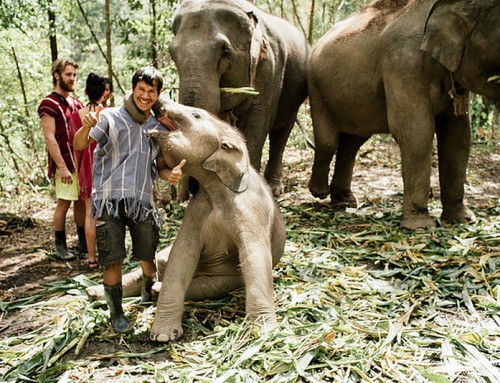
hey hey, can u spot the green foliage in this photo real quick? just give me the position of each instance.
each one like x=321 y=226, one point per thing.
x=22 y=148
x=484 y=119
x=326 y=13
x=24 y=15
x=21 y=144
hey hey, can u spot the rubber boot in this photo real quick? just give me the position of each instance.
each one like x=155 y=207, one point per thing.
x=118 y=319
x=62 y=252
x=82 y=240
x=147 y=284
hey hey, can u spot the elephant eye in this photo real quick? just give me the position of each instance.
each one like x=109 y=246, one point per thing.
x=226 y=52
x=196 y=115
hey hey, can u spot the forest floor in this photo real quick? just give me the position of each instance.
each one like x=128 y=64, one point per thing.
x=28 y=268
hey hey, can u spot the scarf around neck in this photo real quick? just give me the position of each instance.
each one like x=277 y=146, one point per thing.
x=138 y=115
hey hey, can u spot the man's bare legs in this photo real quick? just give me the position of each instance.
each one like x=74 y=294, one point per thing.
x=90 y=234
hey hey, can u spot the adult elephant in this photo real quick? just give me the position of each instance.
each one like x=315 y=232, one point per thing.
x=404 y=67
x=232 y=44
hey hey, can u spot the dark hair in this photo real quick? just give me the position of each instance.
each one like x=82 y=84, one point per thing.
x=108 y=81
x=150 y=76
x=59 y=65
x=94 y=87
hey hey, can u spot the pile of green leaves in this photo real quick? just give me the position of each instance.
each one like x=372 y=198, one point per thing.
x=357 y=298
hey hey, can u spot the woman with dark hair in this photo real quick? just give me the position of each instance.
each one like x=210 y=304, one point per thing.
x=98 y=89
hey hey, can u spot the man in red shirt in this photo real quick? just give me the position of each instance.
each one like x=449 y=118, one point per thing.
x=55 y=112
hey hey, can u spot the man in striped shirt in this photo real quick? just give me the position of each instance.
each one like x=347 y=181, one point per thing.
x=126 y=160
x=55 y=111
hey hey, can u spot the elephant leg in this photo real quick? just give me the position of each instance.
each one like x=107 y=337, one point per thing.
x=177 y=275
x=340 y=188
x=255 y=129
x=167 y=325
x=411 y=123
x=454 y=140
x=161 y=261
x=131 y=281
x=256 y=267
x=416 y=164
x=278 y=137
x=325 y=142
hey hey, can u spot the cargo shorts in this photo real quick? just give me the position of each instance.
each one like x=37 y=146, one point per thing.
x=110 y=238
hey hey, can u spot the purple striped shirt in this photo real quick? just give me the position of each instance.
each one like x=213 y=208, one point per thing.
x=124 y=165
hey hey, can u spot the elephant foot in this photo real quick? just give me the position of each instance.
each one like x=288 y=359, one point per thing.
x=458 y=215
x=165 y=333
x=418 y=222
x=276 y=188
x=342 y=200
x=319 y=189
x=95 y=293
x=267 y=324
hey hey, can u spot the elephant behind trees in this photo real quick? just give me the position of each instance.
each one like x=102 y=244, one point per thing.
x=403 y=67
x=233 y=44
x=232 y=233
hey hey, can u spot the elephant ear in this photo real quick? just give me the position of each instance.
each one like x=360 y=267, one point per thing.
x=446 y=31
x=230 y=164
x=258 y=48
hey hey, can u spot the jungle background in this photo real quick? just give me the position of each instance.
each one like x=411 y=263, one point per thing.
x=359 y=300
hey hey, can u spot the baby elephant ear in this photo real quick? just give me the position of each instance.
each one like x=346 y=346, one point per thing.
x=231 y=166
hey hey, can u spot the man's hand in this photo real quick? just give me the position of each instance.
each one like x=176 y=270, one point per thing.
x=65 y=175
x=176 y=173
x=82 y=138
x=91 y=118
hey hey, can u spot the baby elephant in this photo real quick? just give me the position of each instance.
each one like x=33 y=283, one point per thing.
x=232 y=233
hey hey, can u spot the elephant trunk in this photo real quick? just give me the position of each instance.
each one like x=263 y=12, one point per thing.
x=200 y=93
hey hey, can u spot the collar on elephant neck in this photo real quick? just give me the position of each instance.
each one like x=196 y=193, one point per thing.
x=257 y=48
x=458 y=96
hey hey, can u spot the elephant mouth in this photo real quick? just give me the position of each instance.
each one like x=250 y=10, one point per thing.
x=168 y=123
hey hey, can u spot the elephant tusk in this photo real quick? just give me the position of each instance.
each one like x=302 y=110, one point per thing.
x=243 y=90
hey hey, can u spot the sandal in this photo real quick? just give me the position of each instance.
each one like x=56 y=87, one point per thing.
x=92 y=265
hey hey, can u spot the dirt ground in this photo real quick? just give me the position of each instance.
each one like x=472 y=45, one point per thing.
x=27 y=260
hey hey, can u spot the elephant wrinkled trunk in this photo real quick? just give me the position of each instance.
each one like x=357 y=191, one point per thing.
x=200 y=94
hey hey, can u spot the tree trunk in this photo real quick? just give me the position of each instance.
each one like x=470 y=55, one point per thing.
x=23 y=90
x=52 y=32
x=109 y=56
x=154 y=41
x=108 y=36
x=311 y=22
x=297 y=17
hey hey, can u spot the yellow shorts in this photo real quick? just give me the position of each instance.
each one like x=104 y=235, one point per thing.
x=68 y=192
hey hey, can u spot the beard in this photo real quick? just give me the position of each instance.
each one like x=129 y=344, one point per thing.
x=67 y=87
